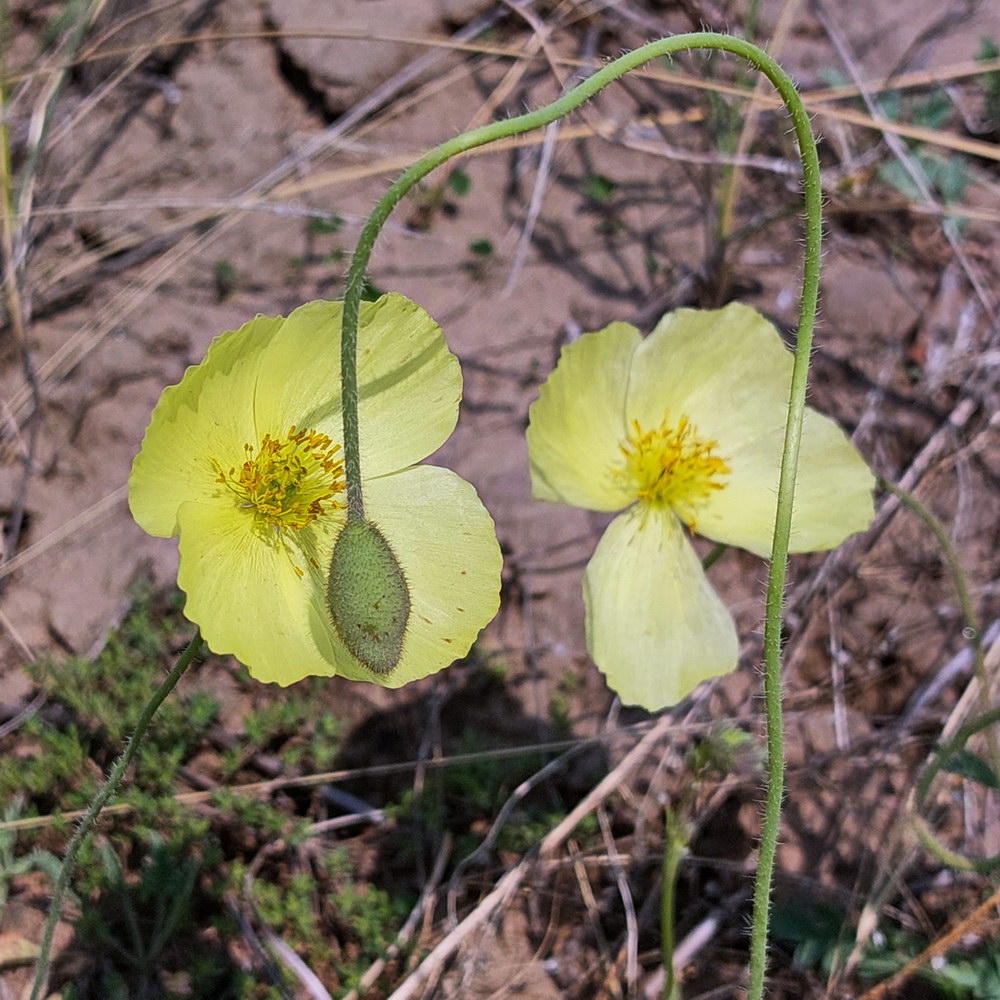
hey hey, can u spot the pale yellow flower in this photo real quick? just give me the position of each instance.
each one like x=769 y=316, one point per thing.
x=682 y=431
x=243 y=461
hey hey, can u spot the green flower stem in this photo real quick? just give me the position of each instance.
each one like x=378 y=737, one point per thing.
x=107 y=790
x=676 y=837
x=942 y=758
x=988 y=718
x=571 y=100
x=961 y=581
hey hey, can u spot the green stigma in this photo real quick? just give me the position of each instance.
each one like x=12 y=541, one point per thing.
x=367 y=596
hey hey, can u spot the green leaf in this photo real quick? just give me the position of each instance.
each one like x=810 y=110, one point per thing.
x=934 y=111
x=892 y=104
x=459 y=182
x=599 y=188
x=325 y=224
x=951 y=177
x=967 y=764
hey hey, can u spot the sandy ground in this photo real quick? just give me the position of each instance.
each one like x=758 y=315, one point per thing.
x=172 y=201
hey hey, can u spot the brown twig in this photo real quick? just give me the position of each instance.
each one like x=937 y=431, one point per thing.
x=973 y=923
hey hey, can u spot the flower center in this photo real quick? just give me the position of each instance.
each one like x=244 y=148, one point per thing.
x=287 y=482
x=672 y=465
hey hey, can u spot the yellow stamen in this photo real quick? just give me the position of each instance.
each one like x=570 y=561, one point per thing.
x=673 y=466
x=287 y=482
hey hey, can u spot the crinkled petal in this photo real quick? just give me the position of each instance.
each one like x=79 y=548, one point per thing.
x=209 y=414
x=833 y=492
x=655 y=626
x=729 y=373
x=445 y=542
x=244 y=593
x=409 y=383
x=578 y=423
x=727 y=370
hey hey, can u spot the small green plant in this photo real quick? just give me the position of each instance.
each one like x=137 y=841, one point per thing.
x=340 y=929
x=990 y=82
x=142 y=935
x=821 y=938
x=482 y=251
x=373 y=918
x=599 y=189
x=459 y=182
x=295 y=727
x=947 y=174
x=103 y=699
x=325 y=225
x=265 y=819
x=225 y=279
x=11 y=864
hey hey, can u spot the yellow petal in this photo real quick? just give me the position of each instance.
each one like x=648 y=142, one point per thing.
x=208 y=415
x=655 y=626
x=245 y=595
x=244 y=592
x=833 y=492
x=409 y=383
x=578 y=423
x=445 y=541
x=728 y=371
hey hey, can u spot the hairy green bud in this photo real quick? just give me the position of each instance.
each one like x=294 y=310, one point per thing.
x=367 y=596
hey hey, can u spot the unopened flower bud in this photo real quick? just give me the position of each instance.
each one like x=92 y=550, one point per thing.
x=368 y=597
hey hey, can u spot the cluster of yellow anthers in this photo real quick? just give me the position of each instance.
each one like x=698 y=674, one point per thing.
x=290 y=481
x=678 y=431
x=671 y=465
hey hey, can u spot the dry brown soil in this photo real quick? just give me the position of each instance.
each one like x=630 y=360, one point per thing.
x=172 y=200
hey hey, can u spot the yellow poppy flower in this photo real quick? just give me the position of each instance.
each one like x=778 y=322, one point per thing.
x=682 y=429
x=243 y=461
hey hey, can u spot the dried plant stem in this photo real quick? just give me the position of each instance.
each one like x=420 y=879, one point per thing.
x=961 y=581
x=531 y=121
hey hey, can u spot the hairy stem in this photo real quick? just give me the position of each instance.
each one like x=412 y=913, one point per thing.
x=571 y=100
x=676 y=836
x=107 y=790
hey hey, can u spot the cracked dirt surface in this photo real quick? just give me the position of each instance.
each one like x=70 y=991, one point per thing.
x=174 y=201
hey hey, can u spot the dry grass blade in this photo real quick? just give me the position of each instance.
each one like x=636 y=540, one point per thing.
x=912 y=167
x=785 y=21
x=269 y=787
x=618 y=868
x=307 y=979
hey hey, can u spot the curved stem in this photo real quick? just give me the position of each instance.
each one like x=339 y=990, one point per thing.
x=86 y=824
x=958 y=575
x=793 y=428
x=944 y=756
x=974 y=635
